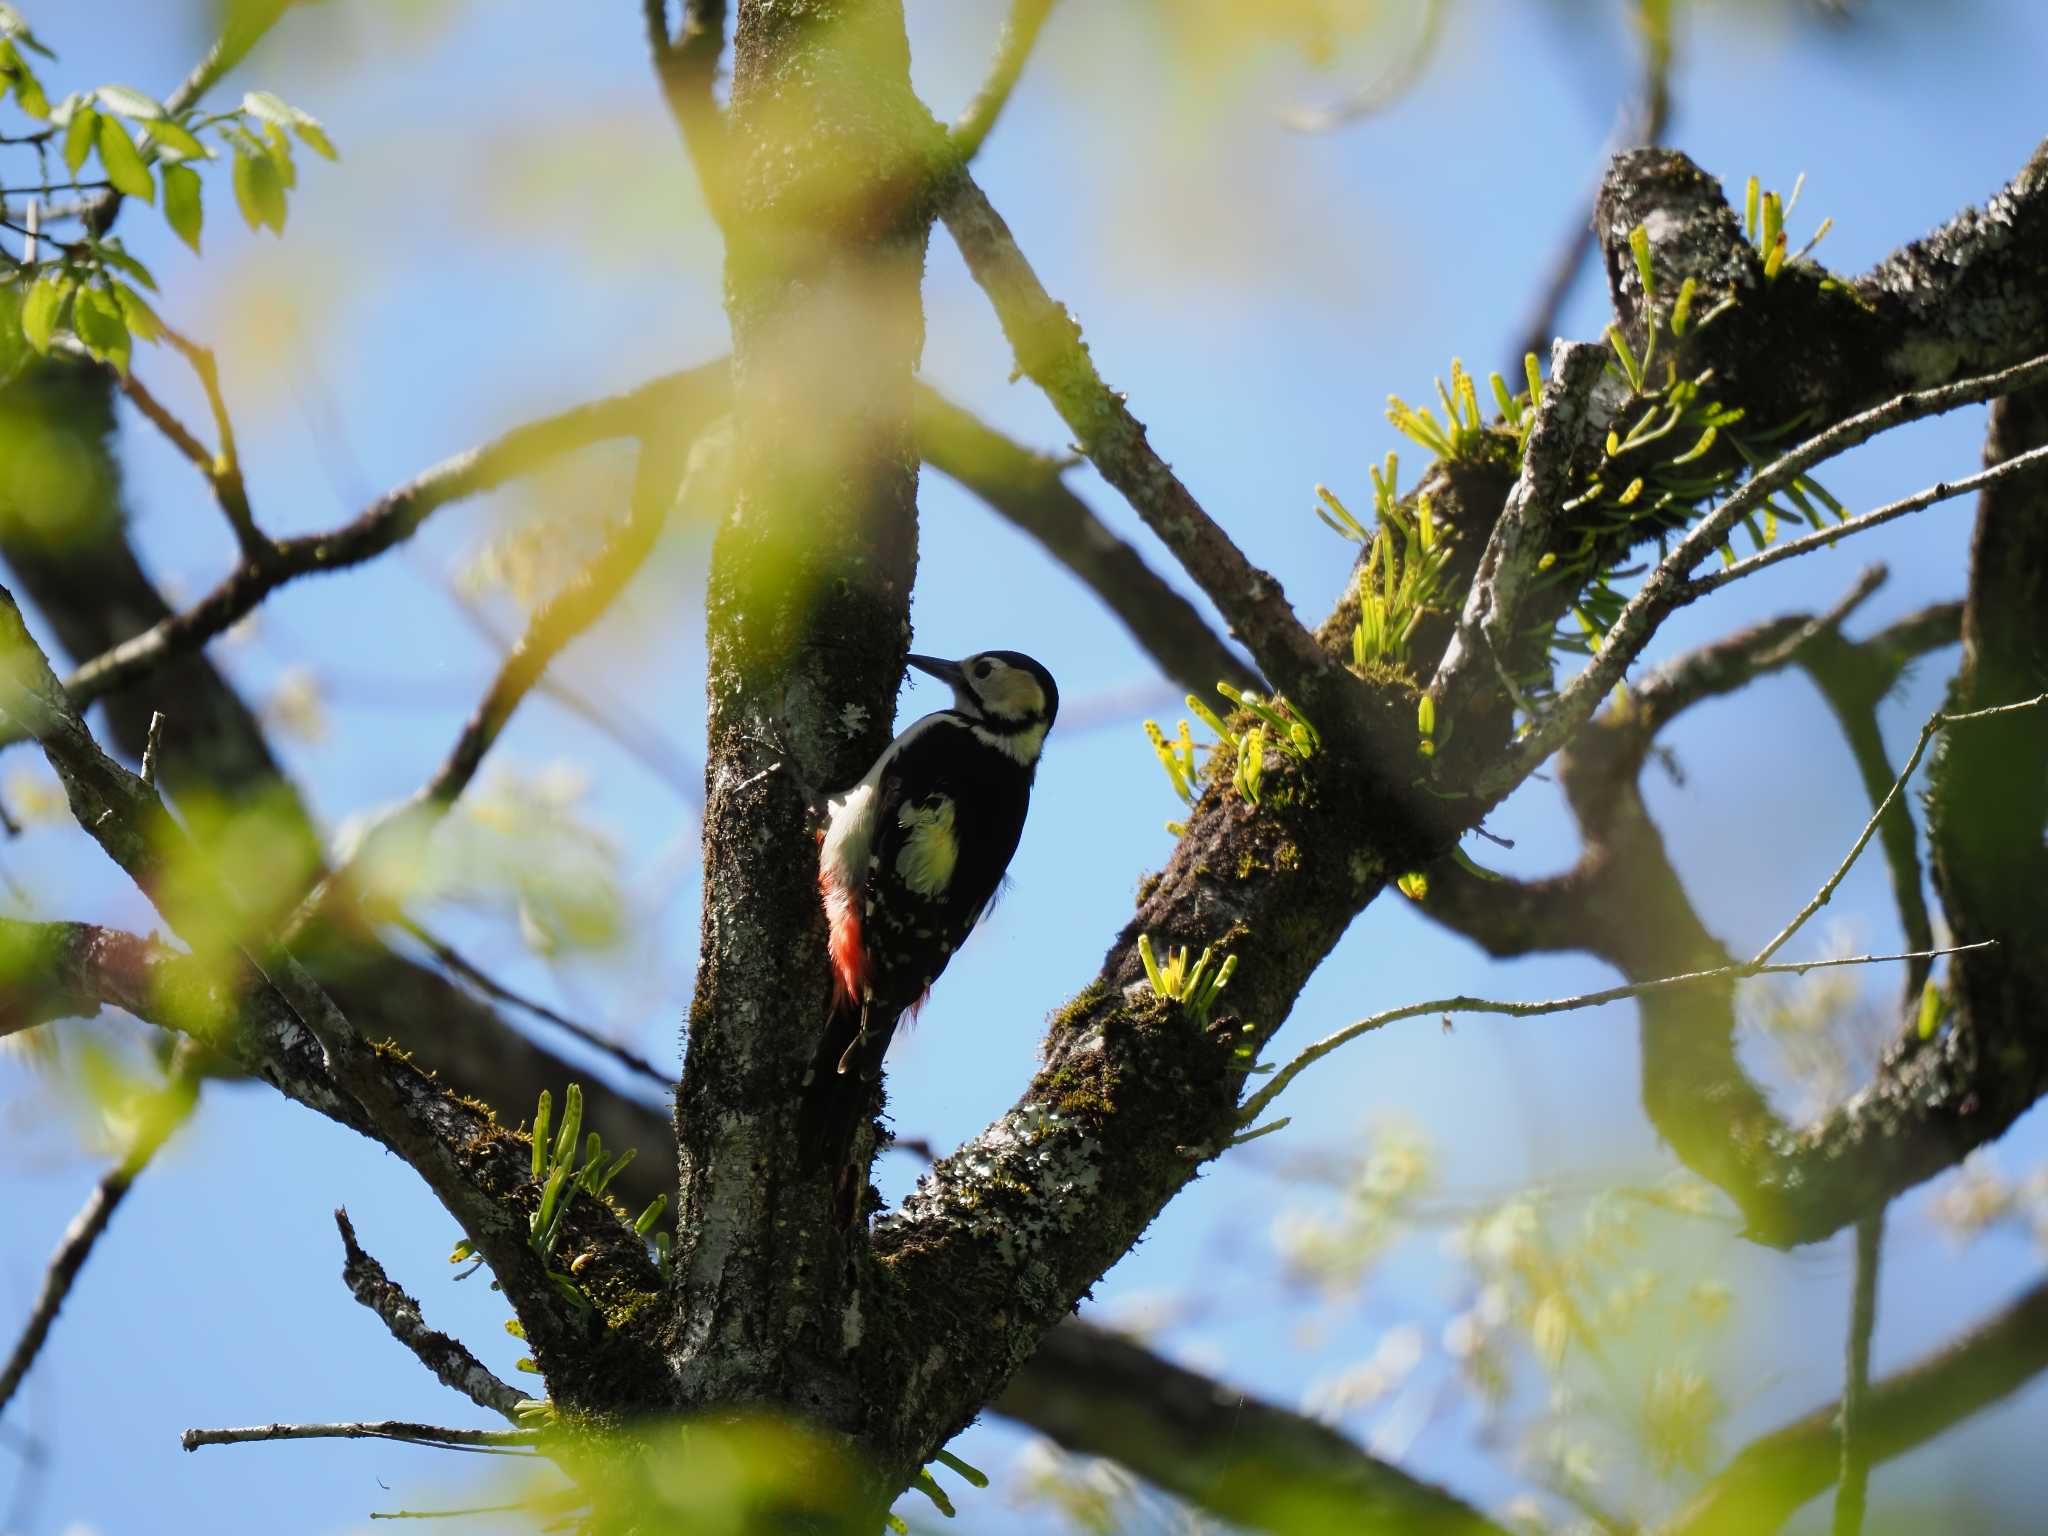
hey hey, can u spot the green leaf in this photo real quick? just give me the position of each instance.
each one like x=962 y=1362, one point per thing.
x=125 y=167
x=313 y=135
x=97 y=318
x=40 y=309
x=572 y=1126
x=182 y=209
x=972 y=1473
x=175 y=139
x=28 y=90
x=78 y=136
x=142 y=320
x=129 y=102
x=543 y=1118
x=279 y=148
x=1932 y=1006
x=644 y=1223
x=258 y=191
x=1639 y=247
x=113 y=254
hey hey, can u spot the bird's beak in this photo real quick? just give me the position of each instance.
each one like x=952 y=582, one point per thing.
x=948 y=672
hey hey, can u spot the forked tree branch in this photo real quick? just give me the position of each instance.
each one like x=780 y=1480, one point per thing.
x=475 y=1169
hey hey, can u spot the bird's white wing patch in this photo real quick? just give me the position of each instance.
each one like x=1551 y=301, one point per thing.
x=931 y=849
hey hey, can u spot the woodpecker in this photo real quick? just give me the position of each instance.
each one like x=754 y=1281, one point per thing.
x=913 y=853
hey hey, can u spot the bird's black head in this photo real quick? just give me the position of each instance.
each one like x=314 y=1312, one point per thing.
x=1003 y=692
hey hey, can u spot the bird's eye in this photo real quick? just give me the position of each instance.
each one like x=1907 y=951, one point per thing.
x=983 y=668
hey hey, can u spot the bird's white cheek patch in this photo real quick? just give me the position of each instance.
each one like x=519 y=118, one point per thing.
x=930 y=852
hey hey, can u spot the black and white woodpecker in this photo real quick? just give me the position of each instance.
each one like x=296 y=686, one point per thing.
x=913 y=853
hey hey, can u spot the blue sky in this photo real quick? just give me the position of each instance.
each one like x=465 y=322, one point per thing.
x=511 y=230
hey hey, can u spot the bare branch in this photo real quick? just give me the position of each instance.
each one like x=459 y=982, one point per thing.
x=581 y=601
x=1048 y=347
x=1026 y=489
x=504 y=1441
x=491 y=987
x=1937 y=722
x=1770 y=1478
x=1020 y=33
x=687 y=68
x=164 y=1114
x=448 y=1358
x=224 y=470
x=1827 y=538
x=1642 y=121
x=1665 y=588
x=1249 y=1462
x=450 y=1145
x=1851 y=1494
x=389 y=521
x=1258 y=1102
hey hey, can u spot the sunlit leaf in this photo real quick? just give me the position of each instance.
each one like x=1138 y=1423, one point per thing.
x=96 y=316
x=258 y=190
x=78 y=136
x=124 y=163
x=175 y=140
x=182 y=209
x=40 y=309
x=129 y=102
x=141 y=319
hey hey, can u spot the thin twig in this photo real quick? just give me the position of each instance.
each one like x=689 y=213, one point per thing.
x=1823 y=538
x=163 y=1114
x=447 y=1357
x=1666 y=587
x=1852 y=1492
x=1258 y=1102
x=1020 y=33
x=161 y=417
x=391 y=520
x=1027 y=490
x=129 y=821
x=1642 y=121
x=448 y=1514
x=150 y=746
x=1772 y=1476
x=441 y=1436
x=484 y=982
x=224 y=470
x=687 y=69
x=629 y=734
x=1936 y=722
x=583 y=599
